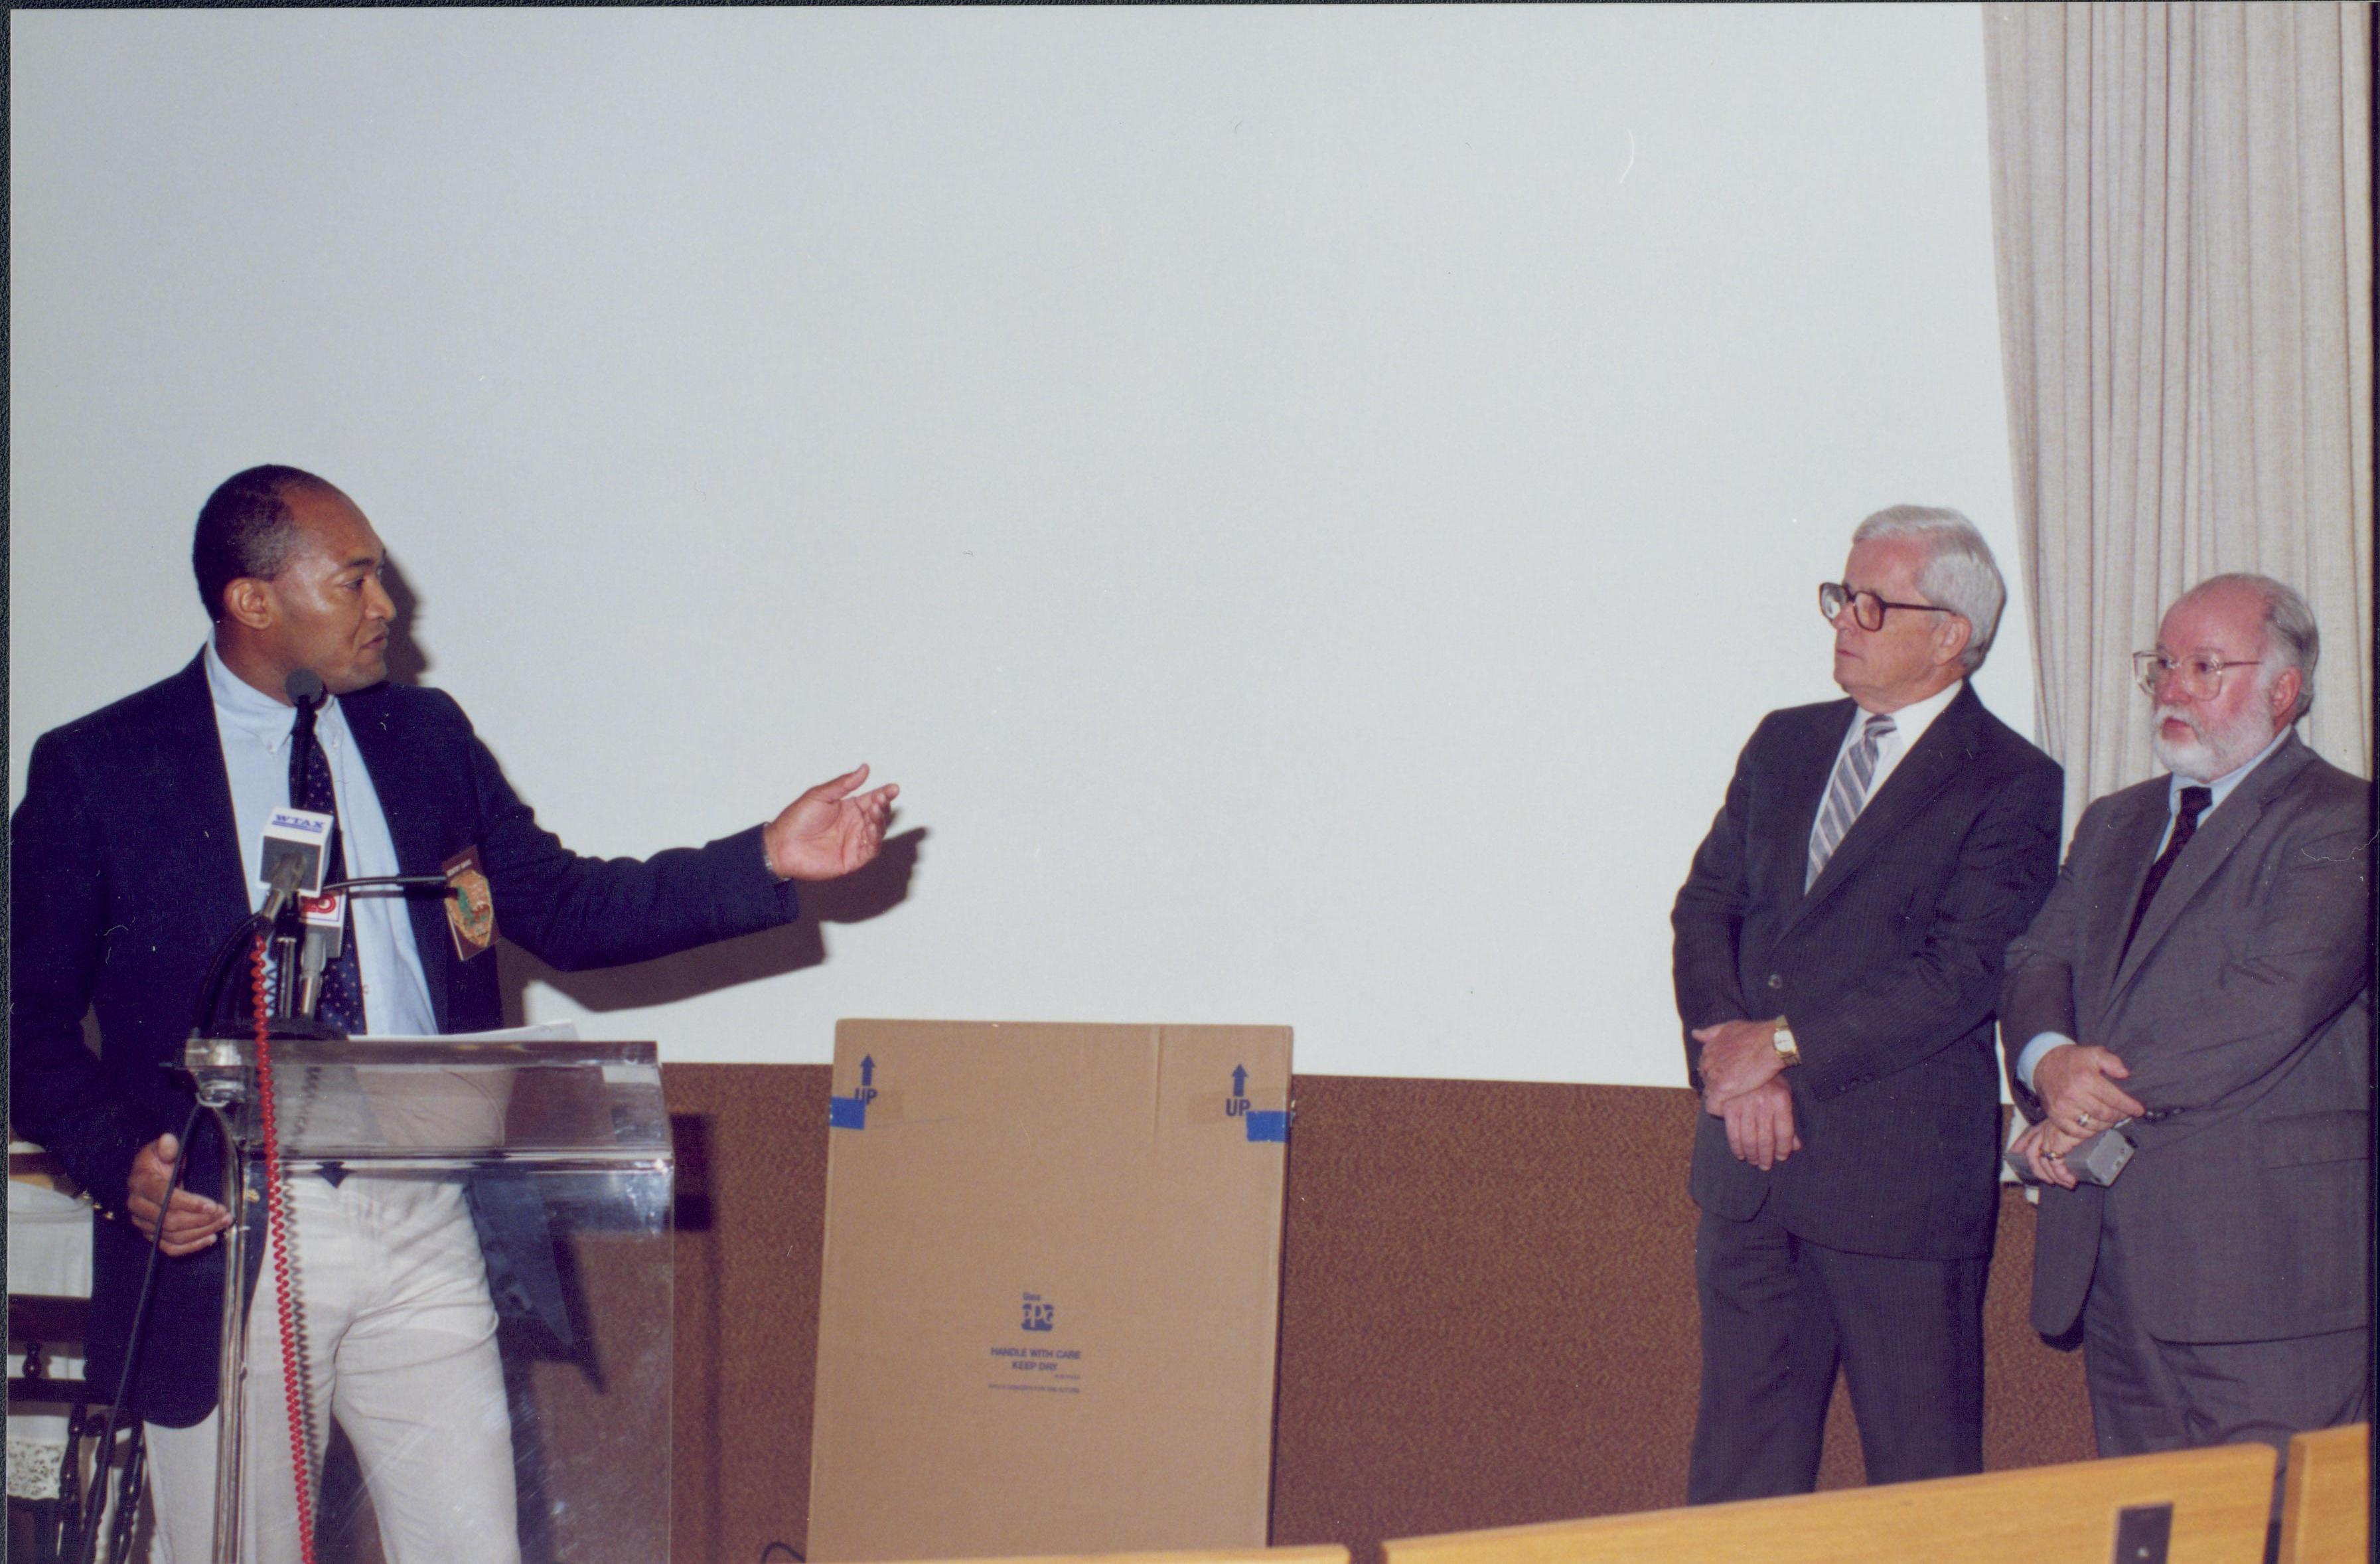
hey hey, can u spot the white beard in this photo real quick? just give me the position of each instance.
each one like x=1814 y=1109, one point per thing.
x=2205 y=756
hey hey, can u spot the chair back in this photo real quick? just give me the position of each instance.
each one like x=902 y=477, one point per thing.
x=2326 y=1497
x=1318 y=1553
x=2206 y=1506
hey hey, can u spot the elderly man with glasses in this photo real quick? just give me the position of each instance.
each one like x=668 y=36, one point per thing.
x=2200 y=979
x=1837 y=955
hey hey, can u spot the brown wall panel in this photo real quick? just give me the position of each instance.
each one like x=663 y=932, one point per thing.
x=751 y=1143
x=1488 y=1310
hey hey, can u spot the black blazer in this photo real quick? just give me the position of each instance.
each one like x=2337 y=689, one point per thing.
x=126 y=875
x=1887 y=968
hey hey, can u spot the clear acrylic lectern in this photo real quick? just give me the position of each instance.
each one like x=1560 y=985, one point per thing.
x=478 y=1255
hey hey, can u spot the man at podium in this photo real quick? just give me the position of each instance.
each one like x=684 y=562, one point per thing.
x=138 y=848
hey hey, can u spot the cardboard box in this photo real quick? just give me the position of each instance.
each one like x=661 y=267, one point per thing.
x=1050 y=1296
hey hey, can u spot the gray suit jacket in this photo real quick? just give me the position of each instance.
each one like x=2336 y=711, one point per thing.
x=2244 y=1009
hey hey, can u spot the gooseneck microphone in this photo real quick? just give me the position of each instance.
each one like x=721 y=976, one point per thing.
x=304 y=688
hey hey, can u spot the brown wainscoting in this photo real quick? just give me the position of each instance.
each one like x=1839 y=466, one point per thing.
x=1487 y=1311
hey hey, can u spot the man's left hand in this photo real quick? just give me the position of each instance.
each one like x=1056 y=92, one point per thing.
x=1760 y=1125
x=828 y=832
x=2044 y=1147
x=1737 y=1056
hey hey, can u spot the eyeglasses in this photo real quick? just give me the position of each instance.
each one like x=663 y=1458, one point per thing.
x=1867 y=609
x=2198 y=676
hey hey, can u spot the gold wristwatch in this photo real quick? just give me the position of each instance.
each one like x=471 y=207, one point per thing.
x=1787 y=1055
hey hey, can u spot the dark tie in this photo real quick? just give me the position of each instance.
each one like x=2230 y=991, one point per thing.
x=2185 y=825
x=342 y=1001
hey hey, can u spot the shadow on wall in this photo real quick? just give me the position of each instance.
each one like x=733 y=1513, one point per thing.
x=855 y=898
x=407 y=661
x=541 y=1370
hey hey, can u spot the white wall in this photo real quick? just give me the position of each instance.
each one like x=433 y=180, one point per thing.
x=1308 y=503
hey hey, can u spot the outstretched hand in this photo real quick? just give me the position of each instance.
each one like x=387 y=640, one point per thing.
x=828 y=831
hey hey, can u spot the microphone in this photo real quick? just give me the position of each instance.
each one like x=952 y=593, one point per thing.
x=292 y=991
x=283 y=911
x=286 y=876
x=305 y=690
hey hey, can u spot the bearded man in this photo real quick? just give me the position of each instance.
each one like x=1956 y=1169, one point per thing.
x=2200 y=978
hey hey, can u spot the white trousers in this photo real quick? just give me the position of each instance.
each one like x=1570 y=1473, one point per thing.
x=400 y=1344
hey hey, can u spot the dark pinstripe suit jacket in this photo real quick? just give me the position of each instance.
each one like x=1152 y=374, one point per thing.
x=2244 y=1007
x=1887 y=968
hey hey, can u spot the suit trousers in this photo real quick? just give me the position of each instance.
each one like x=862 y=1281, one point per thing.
x=1781 y=1314
x=400 y=1348
x=2148 y=1394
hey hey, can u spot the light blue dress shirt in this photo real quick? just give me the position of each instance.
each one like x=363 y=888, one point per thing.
x=255 y=729
x=2221 y=789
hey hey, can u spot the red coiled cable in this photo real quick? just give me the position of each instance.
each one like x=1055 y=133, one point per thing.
x=276 y=1222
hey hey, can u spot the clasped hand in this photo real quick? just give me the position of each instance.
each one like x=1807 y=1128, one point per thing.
x=1739 y=1066
x=2044 y=1147
x=2078 y=1091
x=2077 y=1087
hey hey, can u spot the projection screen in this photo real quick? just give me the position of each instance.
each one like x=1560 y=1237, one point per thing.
x=1306 y=502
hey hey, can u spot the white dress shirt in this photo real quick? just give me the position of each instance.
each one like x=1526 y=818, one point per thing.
x=255 y=729
x=1909 y=725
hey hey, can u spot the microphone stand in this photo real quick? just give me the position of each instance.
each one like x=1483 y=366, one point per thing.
x=224 y=1072
x=298 y=985
x=301 y=987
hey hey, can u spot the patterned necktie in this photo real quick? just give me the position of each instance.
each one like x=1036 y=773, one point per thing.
x=1847 y=794
x=2185 y=825
x=342 y=1001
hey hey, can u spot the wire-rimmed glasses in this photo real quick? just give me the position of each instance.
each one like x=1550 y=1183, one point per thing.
x=2199 y=677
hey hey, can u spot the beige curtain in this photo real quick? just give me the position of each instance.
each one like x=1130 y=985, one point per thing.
x=2181 y=196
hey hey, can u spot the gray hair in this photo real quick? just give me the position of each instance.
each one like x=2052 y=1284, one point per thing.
x=2290 y=639
x=1958 y=574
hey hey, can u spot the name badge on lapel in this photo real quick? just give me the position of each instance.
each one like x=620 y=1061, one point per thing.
x=472 y=906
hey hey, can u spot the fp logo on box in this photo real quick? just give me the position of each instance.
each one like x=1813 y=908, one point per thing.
x=1039 y=1313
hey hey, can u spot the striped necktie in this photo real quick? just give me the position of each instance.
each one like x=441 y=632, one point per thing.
x=1847 y=794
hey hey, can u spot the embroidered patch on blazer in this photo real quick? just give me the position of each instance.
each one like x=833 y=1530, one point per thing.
x=471 y=909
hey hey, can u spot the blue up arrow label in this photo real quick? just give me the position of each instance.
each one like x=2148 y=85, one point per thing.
x=851 y=1113
x=1263 y=1124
